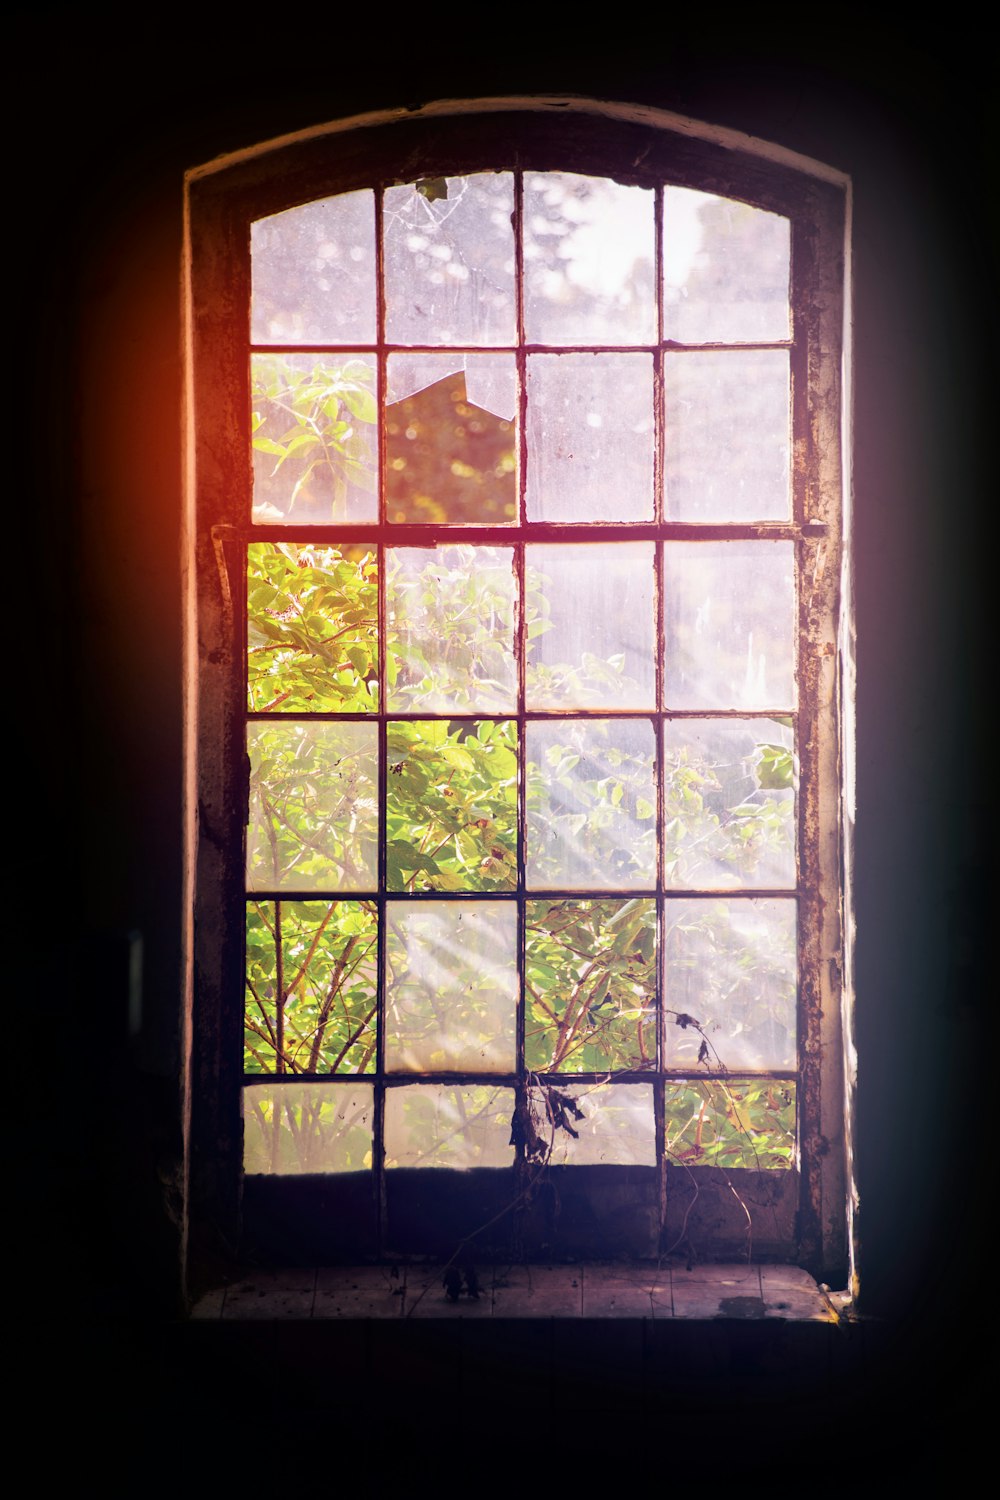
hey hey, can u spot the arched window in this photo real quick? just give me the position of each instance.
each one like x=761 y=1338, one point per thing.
x=518 y=522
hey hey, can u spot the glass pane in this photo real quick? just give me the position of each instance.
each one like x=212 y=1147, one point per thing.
x=451 y=986
x=314 y=273
x=450 y=614
x=725 y=269
x=731 y=965
x=451 y=806
x=726 y=435
x=591 y=804
x=312 y=628
x=308 y=1127
x=730 y=624
x=590 y=986
x=315 y=449
x=594 y=1124
x=590 y=437
x=322 y=957
x=590 y=626
x=450 y=438
x=588 y=261
x=313 y=809
x=448 y=1125
x=749 y=1124
x=728 y=803
x=449 y=261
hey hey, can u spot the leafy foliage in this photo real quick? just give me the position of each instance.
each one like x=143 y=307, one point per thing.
x=591 y=804
x=450 y=613
x=728 y=804
x=451 y=806
x=314 y=438
x=590 y=985
x=311 y=986
x=739 y=1124
x=313 y=811
x=312 y=628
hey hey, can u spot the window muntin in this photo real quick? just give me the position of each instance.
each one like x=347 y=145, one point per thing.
x=814 y=213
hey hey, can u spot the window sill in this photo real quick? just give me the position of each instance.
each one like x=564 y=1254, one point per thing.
x=592 y=1290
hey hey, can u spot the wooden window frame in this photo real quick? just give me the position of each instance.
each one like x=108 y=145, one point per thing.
x=639 y=146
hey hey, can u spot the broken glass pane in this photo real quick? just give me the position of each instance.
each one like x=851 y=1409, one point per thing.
x=728 y=803
x=588 y=261
x=450 y=614
x=451 y=438
x=726 y=435
x=314 y=273
x=730 y=965
x=590 y=986
x=730 y=624
x=308 y=1127
x=312 y=628
x=590 y=626
x=315 y=447
x=451 y=806
x=313 y=810
x=449 y=261
x=594 y=1124
x=725 y=270
x=591 y=804
x=448 y=1125
x=322 y=957
x=590 y=437
x=735 y=1123
x=451 y=986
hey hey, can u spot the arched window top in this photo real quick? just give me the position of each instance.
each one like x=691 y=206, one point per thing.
x=517 y=491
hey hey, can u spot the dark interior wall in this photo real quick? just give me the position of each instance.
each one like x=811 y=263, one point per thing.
x=114 y=122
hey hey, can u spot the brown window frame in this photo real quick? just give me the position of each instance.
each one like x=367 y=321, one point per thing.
x=295 y=1219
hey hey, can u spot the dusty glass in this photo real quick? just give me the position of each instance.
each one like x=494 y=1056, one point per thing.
x=730 y=624
x=725 y=270
x=313 y=812
x=591 y=804
x=450 y=614
x=313 y=270
x=301 y=1128
x=448 y=1125
x=590 y=437
x=728 y=803
x=731 y=964
x=588 y=260
x=451 y=986
x=590 y=626
x=726 y=435
x=449 y=261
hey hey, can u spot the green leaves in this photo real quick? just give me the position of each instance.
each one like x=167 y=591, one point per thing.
x=729 y=802
x=590 y=985
x=314 y=441
x=451 y=806
x=739 y=1124
x=312 y=628
x=310 y=988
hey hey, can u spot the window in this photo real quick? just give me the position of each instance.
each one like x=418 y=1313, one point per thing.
x=519 y=541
